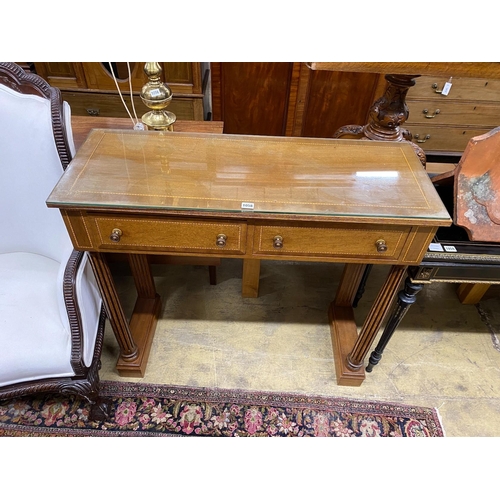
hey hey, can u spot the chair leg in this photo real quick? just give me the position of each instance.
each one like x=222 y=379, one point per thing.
x=212 y=273
x=100 y=409
x=362 y=285
x=406 y=298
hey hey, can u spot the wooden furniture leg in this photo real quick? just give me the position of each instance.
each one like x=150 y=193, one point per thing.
x=472 y=293
x=342 y=324
x=350 y=348
x=406 y=298
x=212 y=275
x=144 y=316
x=250 y=279
x=113 y=307
x=134 y=337
x=362 y=285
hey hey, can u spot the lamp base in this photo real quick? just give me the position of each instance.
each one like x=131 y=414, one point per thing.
x=159 y=120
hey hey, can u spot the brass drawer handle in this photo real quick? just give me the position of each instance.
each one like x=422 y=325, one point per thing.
x=381 y=246
x=417 y=138
x=93 y=111
x=435 y=86
x=426 y=111
x=115 y=235
x=221 y=240
x=278 y=241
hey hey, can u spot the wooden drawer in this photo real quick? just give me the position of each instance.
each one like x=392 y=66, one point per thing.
x=471 y=89
x=100 y=104
x=453 y=113
x=443 y=138
x=166 y=235
x=337 y=243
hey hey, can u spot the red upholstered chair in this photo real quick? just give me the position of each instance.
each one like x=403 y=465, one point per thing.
x=51 y=313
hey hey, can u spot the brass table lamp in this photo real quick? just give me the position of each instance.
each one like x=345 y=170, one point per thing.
x=156 y=95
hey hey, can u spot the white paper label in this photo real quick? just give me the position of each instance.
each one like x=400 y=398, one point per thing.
x=247 y=206
x=435 y=247
x=446 y=88
x=155 y=92
x=450 y=248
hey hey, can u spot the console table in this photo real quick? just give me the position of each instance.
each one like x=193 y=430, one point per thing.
x=251 y=198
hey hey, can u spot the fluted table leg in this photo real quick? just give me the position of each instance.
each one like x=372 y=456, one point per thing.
x=128 y=348
x=350 y=348
x=135 y=337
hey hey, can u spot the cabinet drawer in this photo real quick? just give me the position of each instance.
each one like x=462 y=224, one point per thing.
x=97 y=104
x=435 y=138
x=166 y=235
x=333 y=242
x=453 y=113
x=472 y=89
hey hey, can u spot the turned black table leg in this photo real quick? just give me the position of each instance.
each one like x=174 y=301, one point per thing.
x=406 y=297
x=362 y=285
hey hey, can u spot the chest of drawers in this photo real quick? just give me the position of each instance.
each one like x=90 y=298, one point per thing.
x=443 y=122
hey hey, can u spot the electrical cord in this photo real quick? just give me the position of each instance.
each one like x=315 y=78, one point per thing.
x=137 y=125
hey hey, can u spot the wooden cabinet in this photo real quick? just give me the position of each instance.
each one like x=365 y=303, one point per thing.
x=442 y=122
x=285 y=98
x=90 y=89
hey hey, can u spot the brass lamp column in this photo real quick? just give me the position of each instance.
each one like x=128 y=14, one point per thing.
x=156 y=95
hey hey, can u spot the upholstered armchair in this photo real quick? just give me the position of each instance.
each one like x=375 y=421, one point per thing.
x=51 y=313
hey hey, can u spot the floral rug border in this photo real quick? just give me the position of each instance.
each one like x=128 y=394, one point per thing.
x=160 y=410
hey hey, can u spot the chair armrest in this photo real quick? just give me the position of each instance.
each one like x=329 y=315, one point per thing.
x=80 y=305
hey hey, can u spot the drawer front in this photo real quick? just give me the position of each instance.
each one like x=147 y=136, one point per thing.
x=163 y=235
x=95 y=104
x=453 y=113
x=337 y=242
x=435 y=138
x=472 y=89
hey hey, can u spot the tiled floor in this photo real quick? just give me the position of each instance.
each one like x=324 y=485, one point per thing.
x=443 y=355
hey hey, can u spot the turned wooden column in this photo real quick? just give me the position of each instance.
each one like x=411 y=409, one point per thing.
x=406 y=298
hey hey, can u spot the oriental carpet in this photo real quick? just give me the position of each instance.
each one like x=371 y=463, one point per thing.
x=160 y=410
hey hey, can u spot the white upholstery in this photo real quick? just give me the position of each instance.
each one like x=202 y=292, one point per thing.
x=29 y=172
x=35 y=337
x=35 y=342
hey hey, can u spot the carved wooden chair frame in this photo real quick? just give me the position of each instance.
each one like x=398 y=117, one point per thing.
x=85 y=382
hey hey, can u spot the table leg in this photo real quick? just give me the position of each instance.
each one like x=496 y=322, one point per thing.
x=144 y=317
x=472 y=293
x=349 y=348
x=342 y=325
x=113 y=307
x=250 y=280
x=134 y=338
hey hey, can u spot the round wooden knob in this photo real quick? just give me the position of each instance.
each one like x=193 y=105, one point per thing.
x=278 y=241
x=381 y=246
x=115 y=235
x=221 y=240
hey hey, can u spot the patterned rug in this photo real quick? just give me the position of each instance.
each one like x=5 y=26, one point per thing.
x=160 y=410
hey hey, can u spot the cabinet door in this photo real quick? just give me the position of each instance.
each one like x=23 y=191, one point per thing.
x=289 y=98
x=182 y=77
x=251 y=97
x=333 y=99
x=65 y=75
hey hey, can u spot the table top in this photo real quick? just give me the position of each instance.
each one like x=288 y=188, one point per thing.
x=293 y=176
x=444 y=69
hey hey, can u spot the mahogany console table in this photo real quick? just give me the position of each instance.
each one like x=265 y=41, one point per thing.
x=252 y=198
